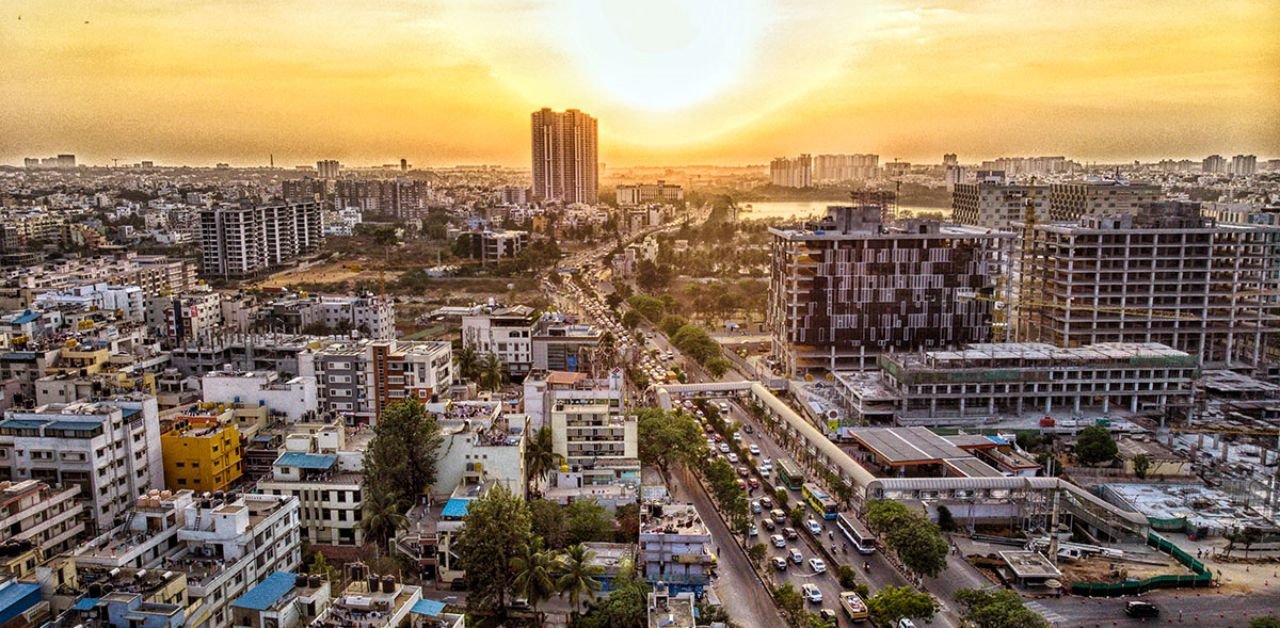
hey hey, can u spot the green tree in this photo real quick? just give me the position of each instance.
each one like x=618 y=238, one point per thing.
x=320 y=566
x=549 y=521
x=694 y=342
x=588 y=522
x=757 y=553
x=652 y=277
x=613 y=300
x=669 y=438
x=884 y=515
x=533 y=568
x=468 y=363
x=578 y=575
x=790 y=603
x=1141 y=464
x=496 y=530
x=718 y=366
x=627 y=518
x=381 y=517
x=671 y=323
x=540 y=458
x=626 y=606
x=1095 y=446
x=649 y=307
x=491 y=373
x=1266 y=621
x=920 y=545
x=631 y=319
x=847 y=576
x=1000 y=608
x=894 y=603
x=400 y=460
x=796 y=515
x=946 y=521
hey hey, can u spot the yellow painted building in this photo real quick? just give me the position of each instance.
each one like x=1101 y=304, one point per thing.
x=202 y=453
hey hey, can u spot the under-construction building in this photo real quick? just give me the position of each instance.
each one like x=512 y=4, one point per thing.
x=1163 y=274
x=849 y=287
x=1073 y=201
x=995 y=203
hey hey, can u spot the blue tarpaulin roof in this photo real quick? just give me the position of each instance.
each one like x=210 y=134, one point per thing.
x=78 y=426
x=86 y=603
x=268 y=592
x=27 y=317
x=997 y=440
x=430 y=608
x=23 y=424
x=306 y=461
x=16 y=598
x=455 y=508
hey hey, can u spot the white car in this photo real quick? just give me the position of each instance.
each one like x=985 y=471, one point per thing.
x=754 y=449
x=737 y=436
x=818 y=565
x=811 y=593
x=724 y=449
x=754 y=531
x=778 y=541
x=814 y=527
x=796 y=556
x=733 y=458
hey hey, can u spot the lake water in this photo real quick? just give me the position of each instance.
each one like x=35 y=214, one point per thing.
x=796 y=210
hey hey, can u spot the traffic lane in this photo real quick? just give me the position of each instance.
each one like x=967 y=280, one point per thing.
x=1177 y=607
x=800 y=574
x=741 y=594
x=877 y=573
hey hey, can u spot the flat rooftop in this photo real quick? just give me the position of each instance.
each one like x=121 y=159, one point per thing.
x=1028 y=564
x=668 y=518
x=977 y=355
x=906 y=445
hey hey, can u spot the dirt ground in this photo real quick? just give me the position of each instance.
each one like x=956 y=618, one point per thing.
x=1099 y=569
x=333 y=272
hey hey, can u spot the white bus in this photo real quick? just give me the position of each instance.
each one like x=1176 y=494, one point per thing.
x=857 y=533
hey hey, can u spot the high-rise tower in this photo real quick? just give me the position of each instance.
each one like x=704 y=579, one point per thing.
x=565 y=162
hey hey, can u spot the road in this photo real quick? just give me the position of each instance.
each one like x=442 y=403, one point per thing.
x=741 y=594
x=1185 y=607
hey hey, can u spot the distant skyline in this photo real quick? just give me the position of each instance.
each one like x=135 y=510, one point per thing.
x=715 y=82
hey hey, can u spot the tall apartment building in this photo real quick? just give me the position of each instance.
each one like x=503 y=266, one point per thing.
x=328 y=168
x=1164 y=275
x=1244 y=165
x=328 y=494
x=505 y=332
x=372 y=316
x=242 y=240
x=644 y=193
x=185 y=317
x=1032 y=166
x=400 y=197
x=1072 y=201
x=565 y=160
x=49 y=518
x=202 y=452
x=792 y=173
x=304 y=190
x=111 y=450
x=845 y=289
x=839 y=168
x=1214 y=164
x=996 y=204
x=358 y=379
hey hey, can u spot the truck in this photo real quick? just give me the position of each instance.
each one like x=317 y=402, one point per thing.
x=853 y=606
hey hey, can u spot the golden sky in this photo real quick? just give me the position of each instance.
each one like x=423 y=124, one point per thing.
x=710 y=81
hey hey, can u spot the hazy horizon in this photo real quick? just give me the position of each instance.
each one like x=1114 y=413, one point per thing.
x=708 y=83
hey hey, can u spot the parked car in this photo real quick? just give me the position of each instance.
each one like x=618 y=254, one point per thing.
x=1139 y=608
x=818 y=565
x=811 y=593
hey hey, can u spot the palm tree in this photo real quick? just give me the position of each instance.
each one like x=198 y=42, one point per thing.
x=540 y=457
x=533 y=573
x=468 y=362
x=491 y=374
x=577 y=577
x=381 y=517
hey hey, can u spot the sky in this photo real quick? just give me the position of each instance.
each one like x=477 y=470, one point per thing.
x=705 y=82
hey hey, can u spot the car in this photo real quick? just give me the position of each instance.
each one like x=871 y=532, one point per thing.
x=754 y=449
x=829 y=616
x=756 y=508
x=724 y=447
x=769 y=525
x=737 y=436
x=811 y=593
x=815 y=528
x=753 y=483
x=779 y=563
x=778 y=541
x=520 y=603
x=753 y=530
x=719 y=438
x=766 y=502
x=733 y=458
x=796 y=556
x=1139 y=608
x=742 y=471
x=818 y=565
x=748 y=429
x=790 y=533
x=905 y=623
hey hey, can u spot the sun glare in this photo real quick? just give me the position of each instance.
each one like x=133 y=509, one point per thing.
x=661 y=55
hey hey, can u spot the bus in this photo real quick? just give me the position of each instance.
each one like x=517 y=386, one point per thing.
x=819 y=500
x=857 y=533
x=789 y=474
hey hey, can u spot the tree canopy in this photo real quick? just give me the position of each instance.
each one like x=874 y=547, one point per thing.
x=1000 y=608
x=496 y=530
x=669 y=438
x=401 y=457
x=1095 y=446
x=894 y=603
